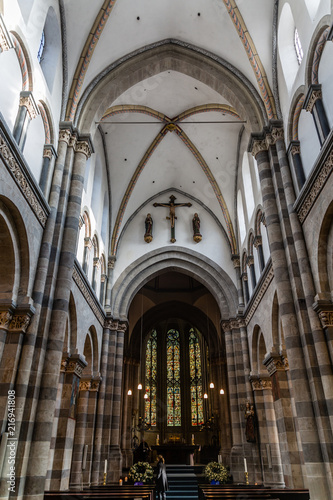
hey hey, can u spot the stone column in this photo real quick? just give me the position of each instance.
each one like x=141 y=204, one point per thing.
x=250 y=263
x=273 y=465
x=258 y=245
x=6 y=315
x=115 y=465
x=324 y=308
x=245 y=287
x=104 y=406
x=49 y=375
x=258 y=473
x=28 y=110
x=91 y=427
x=111 y=263
x=298 y=371
x=86 y=253
x=49 y=156
x=294 y=154
x=314 y=104
x=236 y=262
x=126 y=416
x=104 y=280
x=236 y=458
x=289 y=446
x=66 y=424
x=96 y=264
x=76 y=480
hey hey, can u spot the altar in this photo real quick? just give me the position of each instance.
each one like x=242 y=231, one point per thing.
x=176 y=453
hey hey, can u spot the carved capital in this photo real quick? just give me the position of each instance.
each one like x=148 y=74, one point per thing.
x=76 y=365
x=96 y=262
x=275 y=135
x=122 y=327
x=258 y=147
x=72 y=141
x=85 y=385
x=27 y=100
x=103 y=278
x=5 y=319
x=326 y=318
x=314 y=96
x=236 y=261
x=20 y=322
x=273 y=363
x=295 y=150
x=64 y=364
x=244 y=276
x=95 y=383
x=250 y=260
x=111 y=324
x=257 y=242
x=84 y=147
x=226 y=326
x=241 y=323
x=256 y=385
x=111 y=262
x=88 y=242
x=48 y=151
x=65 y=135
x=266 y=383
x=234 y=324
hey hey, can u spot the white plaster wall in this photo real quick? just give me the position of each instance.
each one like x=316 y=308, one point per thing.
x=10 y=86
x=33 y=149
x=326 y=80
x=213 y=244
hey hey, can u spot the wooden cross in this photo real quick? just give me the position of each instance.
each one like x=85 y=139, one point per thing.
x=172 y=214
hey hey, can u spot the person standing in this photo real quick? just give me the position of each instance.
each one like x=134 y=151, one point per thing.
x=161 y=480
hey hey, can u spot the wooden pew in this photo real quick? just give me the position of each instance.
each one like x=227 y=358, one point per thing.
x=251 y=492
x=128 y=491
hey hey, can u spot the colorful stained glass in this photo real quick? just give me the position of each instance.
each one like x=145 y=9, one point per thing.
x=195 y=380
x=151 y=379
x=173 y=379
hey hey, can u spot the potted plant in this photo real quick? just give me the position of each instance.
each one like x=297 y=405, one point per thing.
x=141 y=473
x=216 y=473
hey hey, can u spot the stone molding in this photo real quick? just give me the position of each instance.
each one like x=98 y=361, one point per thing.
x=22 y=180
x=274 y=363
x=27 y=100
x=85 y=385
x=76 y=365
x=320 y=181
x=5 y=319
x=5 y=39
x=257 y=242
x=88 y=293
x=315 y=93
x=260 y=291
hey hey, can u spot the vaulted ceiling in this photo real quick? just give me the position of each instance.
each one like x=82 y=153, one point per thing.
x=171 y=86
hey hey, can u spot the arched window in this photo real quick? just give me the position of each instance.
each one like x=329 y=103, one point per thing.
x=298 y=47
x=197 y=413
x=50 y=53
x=151 y=379
x=174 y=408
x=41 y=47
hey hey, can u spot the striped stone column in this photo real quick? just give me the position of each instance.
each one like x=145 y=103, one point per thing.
x=261 y=429
x=115 y=456
x=273 y=467
x=66 y=424
x=105 y=400
x=314 y=450
x=50 y=374
x=49 y=156
x=111 y=263
x=236 y=457
x=288 y=443
x=126 y=415
x=236 y=263
x=28 y=110
x=90 y=427
x=324 y=309
x=5 y=318
x=76 y=479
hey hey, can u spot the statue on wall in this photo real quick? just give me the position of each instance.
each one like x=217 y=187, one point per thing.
x=250 y=423
x=196 y=228
x=148 y=237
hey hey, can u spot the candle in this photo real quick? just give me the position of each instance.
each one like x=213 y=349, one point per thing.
x=120 y=482
x=245 y=465
x=192 y=438
x=105 y=466
x=126 y=479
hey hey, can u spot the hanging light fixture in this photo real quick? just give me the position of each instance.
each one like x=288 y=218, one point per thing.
x=129 y=392
x=211 y=385
x=140 y=387
x=145 y=396
x=205 y=395
x=221 y=391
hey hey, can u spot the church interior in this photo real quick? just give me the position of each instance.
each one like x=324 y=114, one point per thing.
x=166 y=256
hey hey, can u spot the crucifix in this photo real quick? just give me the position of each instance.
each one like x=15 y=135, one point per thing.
x=172 y=214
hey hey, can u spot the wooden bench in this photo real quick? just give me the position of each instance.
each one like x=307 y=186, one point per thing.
x=145 y=492
x=251 y=492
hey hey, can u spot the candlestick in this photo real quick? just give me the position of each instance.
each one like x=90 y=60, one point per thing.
x=246 y=477
x=104 y=479
x=245 y=465
x=192 y=438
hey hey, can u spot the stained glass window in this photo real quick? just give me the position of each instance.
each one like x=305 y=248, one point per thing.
x=151 y=379
x=173 y=379
x=195 y=380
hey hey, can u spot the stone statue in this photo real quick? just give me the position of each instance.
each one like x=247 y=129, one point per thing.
x=196 y=228
x=149 y=229
x=250 y=423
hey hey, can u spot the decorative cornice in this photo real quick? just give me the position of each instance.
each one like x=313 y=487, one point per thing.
x=320 y=180
x=5 y=39
x=21 y=180
x=27 y=100
x=85 y=385
x=87 y=292
x=259 y=292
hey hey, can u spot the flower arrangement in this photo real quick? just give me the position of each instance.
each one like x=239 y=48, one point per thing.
x=141 y=472
x=216 y=472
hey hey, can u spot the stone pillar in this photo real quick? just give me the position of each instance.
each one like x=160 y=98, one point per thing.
x=236 y=262
x=104 y=280
x=6 y=315
x=245 y=287
x=111 y=263
x=115 y=465
x=126 y=416
x=28 y=110
x=314 y=104
x=49 y=375
x=324 y=308
x=96 y=264
x=272 y=463
x=49 y=156
x=91 y=427
x=86 y=253
x=312 y=447
x=66 y=423
x=258 y=245
x=250 y=263
x=277 y=367
x=236 y=459
x=76 y=480
x=294 y=154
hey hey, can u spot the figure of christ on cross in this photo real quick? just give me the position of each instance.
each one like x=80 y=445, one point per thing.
x=172 y=214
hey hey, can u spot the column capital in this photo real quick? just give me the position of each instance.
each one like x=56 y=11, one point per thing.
x=5 y=318
x=274 y=362
x=257 y=242
x=294 y=148
x=5 y=38
x=21 y=319
x=76 y=364
x=314 y=93
x=258 y=146
x=49 y=151
x=235 y=260
x=64 y=362
x=88 y=242
x=122 y=326
x=27 y=100
x=85 y=384
x=95 y=383
x=84 y=145
x=266 y=383
x=96 y=262
x=111 y=324
x=324 y=309
x=111 y=261
x=275 y=134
